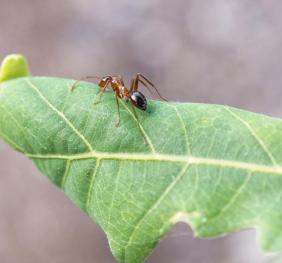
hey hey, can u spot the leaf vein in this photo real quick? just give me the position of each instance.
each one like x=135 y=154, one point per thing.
x=188 y=147
x=67 y=121
x=66 y=173
x=234 y=197
x=10 y=141
x=91 y=185
x=141 y=128
x=252 y=131
x=275 y=170
x=23 y=129
x=155 y=205
x=114 y=192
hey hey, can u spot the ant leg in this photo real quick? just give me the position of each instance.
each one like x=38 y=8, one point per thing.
x=134 y=85
x=103 y=86
x=121 y=80
x=140 y=78
x=101 y=93
x=83 y=78
x=139 y=126
x=151 y=84
x=118 y=109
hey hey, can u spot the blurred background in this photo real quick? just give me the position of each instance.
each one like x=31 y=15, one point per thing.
x=220 y=51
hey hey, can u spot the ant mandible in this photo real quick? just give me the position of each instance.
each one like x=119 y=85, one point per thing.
x=132 y=94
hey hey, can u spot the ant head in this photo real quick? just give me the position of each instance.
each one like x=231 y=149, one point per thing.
x=139 y=100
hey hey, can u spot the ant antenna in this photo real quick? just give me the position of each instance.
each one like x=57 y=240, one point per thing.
x=83 y=78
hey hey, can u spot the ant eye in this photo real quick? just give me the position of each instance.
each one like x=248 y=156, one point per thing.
x=139 y=100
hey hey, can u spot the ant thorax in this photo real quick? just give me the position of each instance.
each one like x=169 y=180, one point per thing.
x=123 y=92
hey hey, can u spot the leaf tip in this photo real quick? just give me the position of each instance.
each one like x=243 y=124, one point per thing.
x=13 y=66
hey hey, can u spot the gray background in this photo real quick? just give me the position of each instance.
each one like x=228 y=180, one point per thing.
x=226 y=52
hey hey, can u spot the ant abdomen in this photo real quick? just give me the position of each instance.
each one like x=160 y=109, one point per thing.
x=139 y=100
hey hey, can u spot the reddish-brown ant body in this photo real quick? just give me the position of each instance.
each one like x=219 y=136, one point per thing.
x=132 y=94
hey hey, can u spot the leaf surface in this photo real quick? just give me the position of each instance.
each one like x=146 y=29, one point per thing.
x=215 y=167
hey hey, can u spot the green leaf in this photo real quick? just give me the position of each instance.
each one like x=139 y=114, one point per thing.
x=215 y=167
x=13 y=66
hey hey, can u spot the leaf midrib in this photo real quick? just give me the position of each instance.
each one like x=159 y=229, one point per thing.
x=190 y=159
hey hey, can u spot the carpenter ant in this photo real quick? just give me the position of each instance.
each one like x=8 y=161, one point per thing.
x=132 y=94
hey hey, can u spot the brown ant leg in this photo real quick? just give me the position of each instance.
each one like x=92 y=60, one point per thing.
x=101 y=92
x=139 y=126
x=140 y=78
x=103 y=84
x=134 y=85
x=121 y=80
x=83 y=78
x=118 y=109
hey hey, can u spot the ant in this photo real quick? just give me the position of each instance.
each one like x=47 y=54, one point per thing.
x=132 y=94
